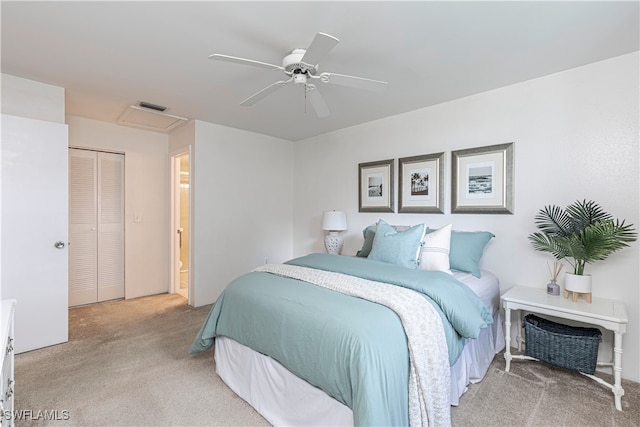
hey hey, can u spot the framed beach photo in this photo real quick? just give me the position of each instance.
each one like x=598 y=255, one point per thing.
x=482 y=180
x=375 y=183
x=421 y=184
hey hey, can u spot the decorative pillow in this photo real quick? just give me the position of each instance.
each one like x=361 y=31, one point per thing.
x=369 y=234
x=435 y=250
x=466 y=250
x=397 y=247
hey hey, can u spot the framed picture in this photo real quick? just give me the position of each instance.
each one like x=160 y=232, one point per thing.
x=482 y=180
x=375 y=182
x=421 y=184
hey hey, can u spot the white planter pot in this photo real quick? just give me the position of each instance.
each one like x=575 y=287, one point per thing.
x=577 y=283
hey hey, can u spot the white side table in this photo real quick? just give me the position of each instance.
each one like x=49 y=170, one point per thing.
x=610 y=314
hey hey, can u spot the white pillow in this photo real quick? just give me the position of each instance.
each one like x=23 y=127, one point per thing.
x=435 y=250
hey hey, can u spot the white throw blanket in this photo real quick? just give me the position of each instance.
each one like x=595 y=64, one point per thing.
x=429 y=374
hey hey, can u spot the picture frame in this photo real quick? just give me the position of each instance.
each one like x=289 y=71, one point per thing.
x=482 y=180
x=376 y=186
x=421 y=184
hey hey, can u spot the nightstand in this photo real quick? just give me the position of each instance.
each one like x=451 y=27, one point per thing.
x=607 y=313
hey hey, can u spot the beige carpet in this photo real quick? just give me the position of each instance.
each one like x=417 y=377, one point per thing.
x=538 y=394
x=127 y=364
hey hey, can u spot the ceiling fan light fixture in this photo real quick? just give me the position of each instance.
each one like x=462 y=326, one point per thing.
x=300 y=79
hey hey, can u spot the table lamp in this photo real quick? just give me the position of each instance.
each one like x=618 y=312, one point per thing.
x=334 y=222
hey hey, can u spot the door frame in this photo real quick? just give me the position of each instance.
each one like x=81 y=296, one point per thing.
x=175 y=214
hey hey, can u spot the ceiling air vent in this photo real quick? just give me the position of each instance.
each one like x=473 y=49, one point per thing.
x=151 y=117
x=152 y=106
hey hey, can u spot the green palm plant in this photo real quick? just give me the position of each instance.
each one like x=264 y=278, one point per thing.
x=582 y=233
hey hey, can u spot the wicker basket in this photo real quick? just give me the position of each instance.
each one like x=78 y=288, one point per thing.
x=565 y=346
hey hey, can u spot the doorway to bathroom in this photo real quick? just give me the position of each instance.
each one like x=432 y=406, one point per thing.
x=181 y=224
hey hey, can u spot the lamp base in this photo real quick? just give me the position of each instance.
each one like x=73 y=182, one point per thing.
x=333 y=243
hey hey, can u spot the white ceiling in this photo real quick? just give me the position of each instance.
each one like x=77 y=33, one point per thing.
x=109 y=55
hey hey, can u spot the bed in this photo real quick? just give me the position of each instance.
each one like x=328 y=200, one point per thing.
x=327 y=340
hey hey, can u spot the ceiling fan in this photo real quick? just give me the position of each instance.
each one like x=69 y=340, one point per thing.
x=301 y=66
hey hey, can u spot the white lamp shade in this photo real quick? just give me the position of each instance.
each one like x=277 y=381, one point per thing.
x=334 y=221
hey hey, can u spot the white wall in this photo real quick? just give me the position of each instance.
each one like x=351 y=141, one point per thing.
x=183 y=138
x=147 y=242
x=242 y=186
x=35 y=100
x=575 y=135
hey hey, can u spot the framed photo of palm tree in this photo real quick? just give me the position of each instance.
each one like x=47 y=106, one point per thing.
x=421 y=184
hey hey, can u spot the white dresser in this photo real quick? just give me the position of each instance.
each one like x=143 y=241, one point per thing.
x=7 y=308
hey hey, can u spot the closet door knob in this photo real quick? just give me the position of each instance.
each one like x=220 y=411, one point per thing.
x=59 y=244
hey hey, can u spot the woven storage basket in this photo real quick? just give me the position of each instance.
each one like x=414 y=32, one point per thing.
x=565 y=346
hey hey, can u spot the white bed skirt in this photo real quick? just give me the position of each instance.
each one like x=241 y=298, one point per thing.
x=474 y=361
x=283 y=399
x=279 y=396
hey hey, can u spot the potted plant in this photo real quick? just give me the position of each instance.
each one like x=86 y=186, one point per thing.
x=582 y=234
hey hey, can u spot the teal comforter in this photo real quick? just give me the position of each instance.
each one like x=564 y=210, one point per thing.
x=353 y=349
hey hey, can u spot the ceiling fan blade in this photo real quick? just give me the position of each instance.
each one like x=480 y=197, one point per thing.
x=264 y=93
x=321 y=45
x=227 y=58
x=317 y=101
x=352 y=81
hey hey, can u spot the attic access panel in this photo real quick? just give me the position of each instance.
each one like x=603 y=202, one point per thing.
x=149 y=119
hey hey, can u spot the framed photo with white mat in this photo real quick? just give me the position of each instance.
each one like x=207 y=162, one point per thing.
x=375 y=183
x=482 y=180
x=421 y=184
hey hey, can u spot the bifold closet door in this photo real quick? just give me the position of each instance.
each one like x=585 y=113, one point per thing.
x=96 y=226
x=110 y=226
x=83 y=226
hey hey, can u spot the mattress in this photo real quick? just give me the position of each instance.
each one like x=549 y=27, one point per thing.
x=284 y=399
x=487 y=287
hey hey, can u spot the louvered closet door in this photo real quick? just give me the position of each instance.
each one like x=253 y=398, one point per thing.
x=110 y=226
x=83 y=226
x=96 y=226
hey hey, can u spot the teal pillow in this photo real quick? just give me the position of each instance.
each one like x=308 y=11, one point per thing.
x=368 y=234
x=401 y=248
x=466 y=250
